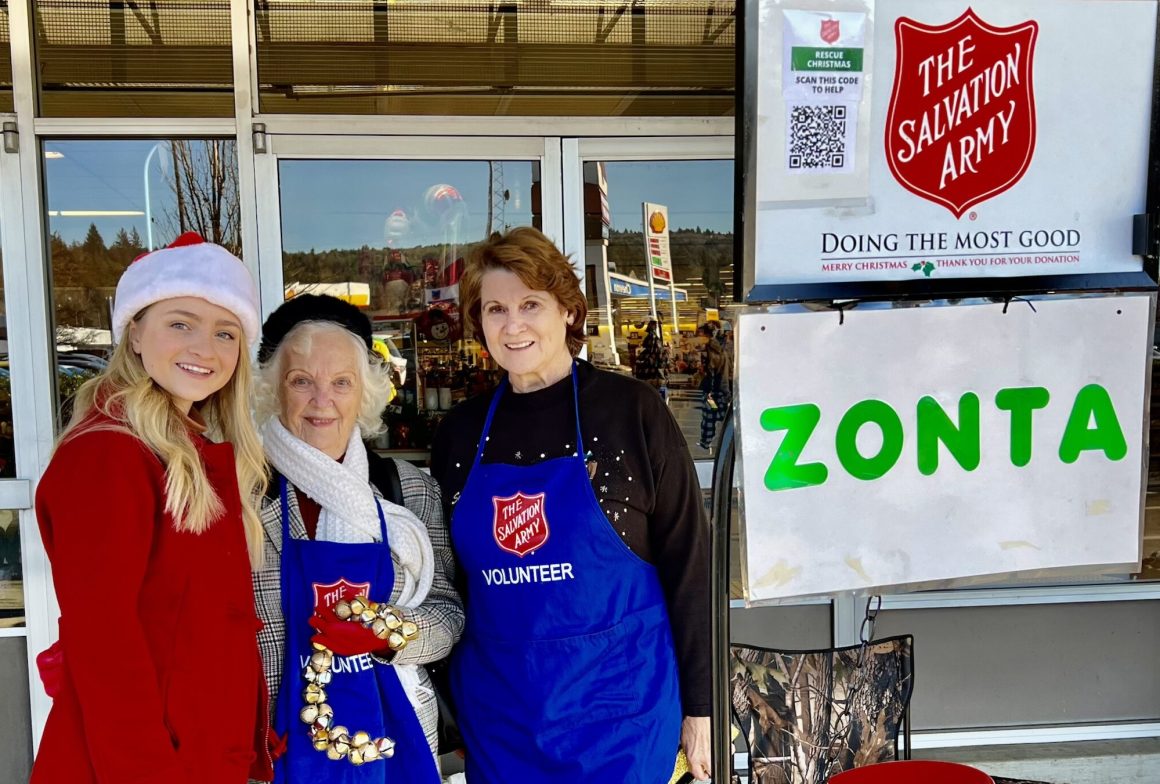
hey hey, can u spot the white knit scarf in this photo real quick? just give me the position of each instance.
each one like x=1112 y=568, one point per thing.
x=350 y=515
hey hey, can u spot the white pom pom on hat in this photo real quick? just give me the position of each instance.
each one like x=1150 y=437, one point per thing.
x=188 y=267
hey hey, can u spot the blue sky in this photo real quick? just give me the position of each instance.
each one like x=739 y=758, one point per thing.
x=345 y=204
x=697 y=193
x=105 y=176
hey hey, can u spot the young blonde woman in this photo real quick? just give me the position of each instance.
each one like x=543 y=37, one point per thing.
x=148 y=513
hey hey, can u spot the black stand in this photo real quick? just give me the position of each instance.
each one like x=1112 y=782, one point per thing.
x=722 y=743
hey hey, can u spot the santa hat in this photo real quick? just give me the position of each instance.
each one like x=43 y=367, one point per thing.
x=189 y=267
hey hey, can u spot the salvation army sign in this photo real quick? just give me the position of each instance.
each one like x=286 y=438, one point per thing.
x=927 y=140
x=961 y=123
x=960 y=442
x=830 y=30
x=326 y=595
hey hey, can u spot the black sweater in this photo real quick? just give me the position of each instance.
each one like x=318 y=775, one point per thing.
x=643 y=477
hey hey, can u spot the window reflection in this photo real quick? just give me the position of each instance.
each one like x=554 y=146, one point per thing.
x=736 y=588
x=695 y=200
x=11 y=572
x=391 y=237
x=1150 y=566
x=7 y=444
x=109 y=202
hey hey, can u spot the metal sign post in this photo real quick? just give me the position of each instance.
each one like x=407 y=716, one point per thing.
x=723 y=467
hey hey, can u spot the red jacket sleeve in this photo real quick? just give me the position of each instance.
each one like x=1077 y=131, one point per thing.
x=99 y=507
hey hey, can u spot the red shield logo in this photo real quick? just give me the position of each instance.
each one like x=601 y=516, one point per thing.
x=520 y=525
x=326 y=596
x=961 y=123
x=831 y=30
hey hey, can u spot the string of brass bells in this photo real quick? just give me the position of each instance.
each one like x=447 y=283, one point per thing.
x=334 y=739
x=382 y=619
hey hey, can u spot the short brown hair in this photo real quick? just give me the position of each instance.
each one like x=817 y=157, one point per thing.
x=537 y=261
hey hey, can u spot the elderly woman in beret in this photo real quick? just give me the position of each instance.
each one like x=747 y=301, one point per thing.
x=356 y=593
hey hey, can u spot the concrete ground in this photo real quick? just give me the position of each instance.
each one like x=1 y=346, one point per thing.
x=1087 y=762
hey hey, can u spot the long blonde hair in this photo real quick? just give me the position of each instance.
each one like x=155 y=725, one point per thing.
x=125 y=393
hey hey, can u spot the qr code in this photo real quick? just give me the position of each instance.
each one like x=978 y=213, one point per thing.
x=817 y=137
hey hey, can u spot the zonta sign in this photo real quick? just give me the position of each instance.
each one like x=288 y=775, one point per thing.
x=1092 y=426
x=961 y=123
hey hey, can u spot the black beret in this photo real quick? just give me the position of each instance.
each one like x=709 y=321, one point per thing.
x=312 y=307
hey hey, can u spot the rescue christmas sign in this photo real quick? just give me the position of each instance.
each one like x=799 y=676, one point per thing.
x=966 y=441
x=939 y=139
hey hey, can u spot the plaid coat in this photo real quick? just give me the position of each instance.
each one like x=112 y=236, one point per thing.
x=439 y=618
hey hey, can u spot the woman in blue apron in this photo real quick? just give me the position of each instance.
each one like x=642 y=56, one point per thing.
x=353 y=593
x=567 y=671
x=365 y=698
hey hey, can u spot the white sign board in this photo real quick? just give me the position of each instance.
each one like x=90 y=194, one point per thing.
x=890 y=447
x=656 y=242
x=932 y=139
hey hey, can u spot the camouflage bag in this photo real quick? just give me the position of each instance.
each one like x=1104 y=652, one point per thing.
x=808 y=715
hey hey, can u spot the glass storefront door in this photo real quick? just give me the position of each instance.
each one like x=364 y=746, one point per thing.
x=652 y=220
x=385 y=223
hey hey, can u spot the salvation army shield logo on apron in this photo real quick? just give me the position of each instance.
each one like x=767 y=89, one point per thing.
x=326 y=596
x=520 y=525
x=961 y=123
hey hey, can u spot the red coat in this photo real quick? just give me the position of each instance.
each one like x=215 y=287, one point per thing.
x=163 y=680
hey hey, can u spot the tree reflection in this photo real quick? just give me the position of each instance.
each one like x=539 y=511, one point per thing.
x=201 y=195
x=204 y=184
x=84 y=276
x=698 y=254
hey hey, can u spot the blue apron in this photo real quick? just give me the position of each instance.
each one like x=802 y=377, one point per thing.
x=566 y=672
x=365 y=695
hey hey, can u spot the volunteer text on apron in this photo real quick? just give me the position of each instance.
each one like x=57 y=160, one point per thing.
x=365 y=695
x=566 y=672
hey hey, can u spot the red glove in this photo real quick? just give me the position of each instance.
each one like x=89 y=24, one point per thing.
x=276 y=744
x=344 y=637
x=50 y=665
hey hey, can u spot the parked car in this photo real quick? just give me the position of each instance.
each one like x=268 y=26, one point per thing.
x=79 y=359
